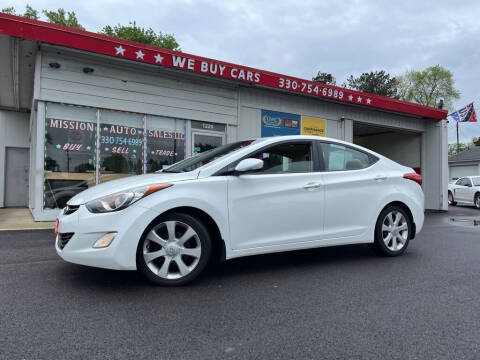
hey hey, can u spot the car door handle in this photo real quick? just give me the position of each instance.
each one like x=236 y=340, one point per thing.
x=380 y=178
x=311 y=186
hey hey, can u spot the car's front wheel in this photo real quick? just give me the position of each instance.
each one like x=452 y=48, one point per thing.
x=392 y=231
x=175 y=250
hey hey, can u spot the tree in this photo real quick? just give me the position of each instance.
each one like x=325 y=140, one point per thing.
x=325 y=78
x=130 y=32
x=62 y=17
x=30 y=12
x=146 y=36
x=452 y=148
x=9 y=10
x=378 y=82
x=428 y=86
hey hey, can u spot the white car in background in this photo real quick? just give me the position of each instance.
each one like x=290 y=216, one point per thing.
x=245 y=198
x=465 y=190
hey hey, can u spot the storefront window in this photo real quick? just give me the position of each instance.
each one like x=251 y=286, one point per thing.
x=77 y=154
x=120 y=145
x=165 y=142
x=70 y=138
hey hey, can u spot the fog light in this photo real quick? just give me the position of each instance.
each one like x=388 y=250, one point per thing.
x=105 y=240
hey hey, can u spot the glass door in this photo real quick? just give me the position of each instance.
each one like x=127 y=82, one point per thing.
x=204 y=141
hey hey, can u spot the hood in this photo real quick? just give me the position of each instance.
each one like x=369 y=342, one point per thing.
x=126 y=183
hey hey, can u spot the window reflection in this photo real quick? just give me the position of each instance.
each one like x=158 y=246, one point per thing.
x=120 y=144
x=70 y=138
x=165 y=142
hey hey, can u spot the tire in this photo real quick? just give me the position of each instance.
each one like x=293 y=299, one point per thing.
x=477 y=200
x=389 y=240
x=175 y=250
x=450 y=199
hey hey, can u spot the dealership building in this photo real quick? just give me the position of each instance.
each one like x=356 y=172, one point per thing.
x=79 y=108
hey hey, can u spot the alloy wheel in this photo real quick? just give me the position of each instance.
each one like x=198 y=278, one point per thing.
x=172 y=250
x=450 y=198
x=477 y=201
x=395 y=230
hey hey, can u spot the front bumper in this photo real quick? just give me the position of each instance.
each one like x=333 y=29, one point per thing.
x=87 y=228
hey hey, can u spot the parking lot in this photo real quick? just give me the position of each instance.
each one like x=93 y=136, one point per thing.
x=330 y=303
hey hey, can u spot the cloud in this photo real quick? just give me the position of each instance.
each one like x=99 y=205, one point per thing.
x=299 y=38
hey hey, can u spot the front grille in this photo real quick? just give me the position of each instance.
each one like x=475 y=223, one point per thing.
x=63 y=239
x=70 y=209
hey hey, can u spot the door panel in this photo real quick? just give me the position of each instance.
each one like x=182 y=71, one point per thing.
x=16 y=177
x=351 y=201
x=275 y=209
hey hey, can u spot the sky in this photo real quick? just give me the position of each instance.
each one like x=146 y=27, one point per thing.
x=300 y=38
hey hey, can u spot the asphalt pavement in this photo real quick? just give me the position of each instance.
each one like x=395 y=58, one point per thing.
x=330 y=303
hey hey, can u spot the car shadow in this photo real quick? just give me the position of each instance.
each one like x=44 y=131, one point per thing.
x=105 y=280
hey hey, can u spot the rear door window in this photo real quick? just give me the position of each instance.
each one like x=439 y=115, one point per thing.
x=337 y=157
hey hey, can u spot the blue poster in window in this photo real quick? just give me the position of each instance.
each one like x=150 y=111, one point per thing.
x=275 y=123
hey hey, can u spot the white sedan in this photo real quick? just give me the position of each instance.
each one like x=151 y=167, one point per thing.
x=245 y=198
x=465 y=190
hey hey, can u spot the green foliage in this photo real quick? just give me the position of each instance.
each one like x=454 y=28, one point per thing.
x=452 y=148
x=9 y=10
x=146 y=36
x=62 y=17
x=428 y=86
x=31 y=13
x=378 y=82
x=325 y=78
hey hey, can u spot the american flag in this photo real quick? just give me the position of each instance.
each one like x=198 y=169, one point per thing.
x=467 y=114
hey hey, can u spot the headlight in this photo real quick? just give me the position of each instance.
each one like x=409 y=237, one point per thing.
x=123 y=199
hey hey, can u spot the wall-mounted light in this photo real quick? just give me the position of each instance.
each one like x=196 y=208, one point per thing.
x=88 y=70
x=54 y=65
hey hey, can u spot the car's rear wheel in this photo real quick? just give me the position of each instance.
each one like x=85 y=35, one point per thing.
x=451 y=201
x=175 y=250
x=477 y=201
x=392 y=231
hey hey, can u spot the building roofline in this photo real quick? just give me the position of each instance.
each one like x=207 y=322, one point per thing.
x=21 y=27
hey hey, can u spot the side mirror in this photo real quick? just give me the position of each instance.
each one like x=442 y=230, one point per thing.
x=249 y=164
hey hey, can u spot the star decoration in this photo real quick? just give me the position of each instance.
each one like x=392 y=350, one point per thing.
x=369 y=101
x=153 y=152
x=359 y=99
x=58 y=146
x=158 y=58
x=88 y=147
x=139 y=54
x=105 y=128
x=134 y=151
x=106 y=149
x=119 y=50
x=350 y=97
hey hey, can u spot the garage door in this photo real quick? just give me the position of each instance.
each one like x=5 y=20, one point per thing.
x=403 y=147
x=463 y=170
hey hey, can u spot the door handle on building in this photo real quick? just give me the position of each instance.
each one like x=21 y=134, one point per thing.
x=311 y=186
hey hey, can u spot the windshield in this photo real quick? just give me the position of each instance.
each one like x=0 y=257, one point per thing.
x=206 y=157
x=476 y=181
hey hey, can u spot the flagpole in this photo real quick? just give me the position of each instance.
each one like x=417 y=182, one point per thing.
x=458 y=142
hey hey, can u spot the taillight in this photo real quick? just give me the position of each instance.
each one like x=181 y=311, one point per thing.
x=415 y=177
x=57 y=222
